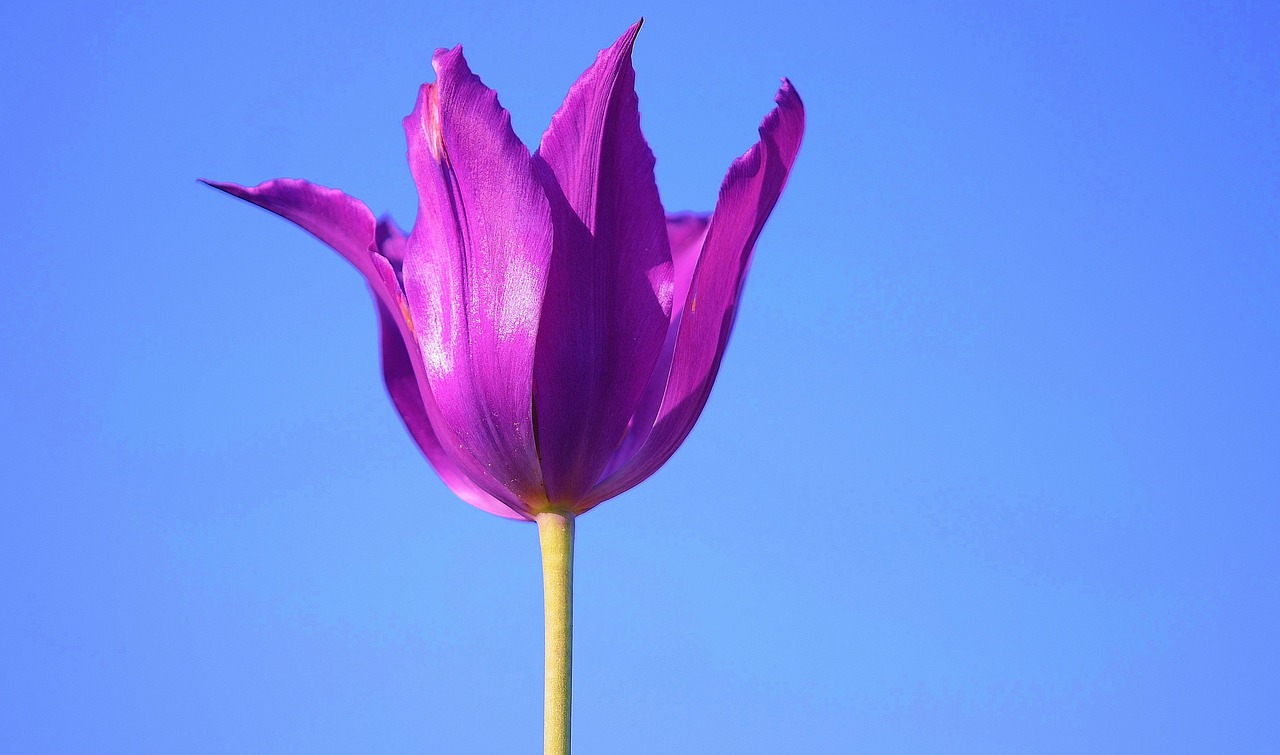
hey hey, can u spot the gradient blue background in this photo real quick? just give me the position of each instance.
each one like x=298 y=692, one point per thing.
x=991 y=466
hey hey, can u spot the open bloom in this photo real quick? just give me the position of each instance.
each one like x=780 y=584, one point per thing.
x=548 y=335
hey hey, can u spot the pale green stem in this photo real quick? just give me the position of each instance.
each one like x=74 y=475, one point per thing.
x=555 y=531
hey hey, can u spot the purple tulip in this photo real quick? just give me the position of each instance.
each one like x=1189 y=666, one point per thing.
x=548 y=335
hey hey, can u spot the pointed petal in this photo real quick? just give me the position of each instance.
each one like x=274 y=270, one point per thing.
x=402 y=385
x=686 y=231
x=346 y=225
x=747 y=196
x=609 y=292
x=341 y=221
x=474 y=274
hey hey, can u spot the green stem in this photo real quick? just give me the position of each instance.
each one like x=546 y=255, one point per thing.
x=555 y=531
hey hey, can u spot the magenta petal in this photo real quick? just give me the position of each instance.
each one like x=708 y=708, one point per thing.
x=609 y=292
x=346 y=225
x=474 y=275
x=341 y=221
x=402 y=385
x=390 y=242
x=747 y=196
x=406 y=395
x=686 y=232
x=416 y=404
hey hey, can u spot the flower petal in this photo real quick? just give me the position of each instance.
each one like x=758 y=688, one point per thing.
x=390 y=242
x=474 y=275
x=402 y=384
x=609 y=292
x=686 y=231
x=341 y=221
x=346 y=225
x=747 y=196
x=460 y=471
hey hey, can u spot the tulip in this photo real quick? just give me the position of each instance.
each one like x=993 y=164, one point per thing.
x=548 y=335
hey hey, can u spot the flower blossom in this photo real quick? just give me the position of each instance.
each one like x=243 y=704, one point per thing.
x=548 y=334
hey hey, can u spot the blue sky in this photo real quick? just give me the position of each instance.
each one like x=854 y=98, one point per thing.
x=990 y=466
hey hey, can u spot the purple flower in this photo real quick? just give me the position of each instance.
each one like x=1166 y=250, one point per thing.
x=548 y=335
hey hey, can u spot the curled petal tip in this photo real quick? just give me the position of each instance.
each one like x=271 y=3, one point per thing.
x=445 y=55
x=785 y=122
x=787 y=98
